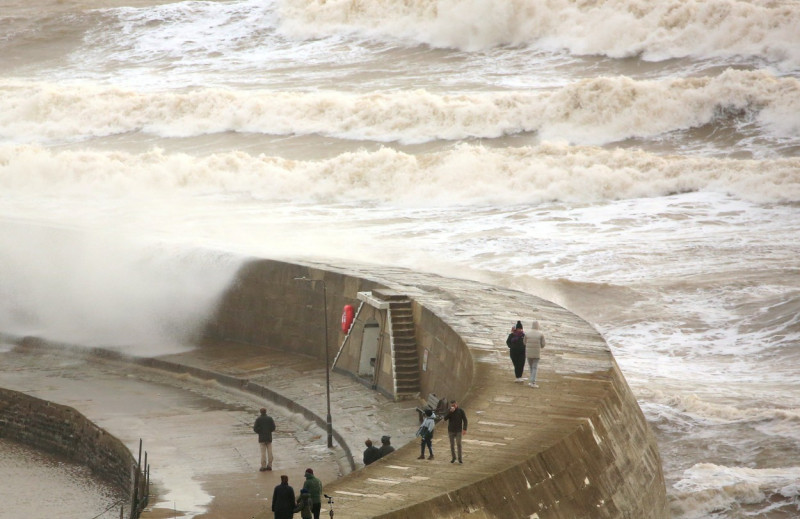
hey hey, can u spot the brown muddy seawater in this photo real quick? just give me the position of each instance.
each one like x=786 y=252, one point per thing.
x=38 y=484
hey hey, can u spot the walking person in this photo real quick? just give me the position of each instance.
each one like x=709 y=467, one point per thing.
x=516 y=346
x=456 y=427
x=425 y=433
x=264 y=427
x=371 y=453
x=314 y=487
x=533 y=351
x=283 y=500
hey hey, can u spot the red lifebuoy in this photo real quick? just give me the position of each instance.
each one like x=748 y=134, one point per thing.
x=347 y=317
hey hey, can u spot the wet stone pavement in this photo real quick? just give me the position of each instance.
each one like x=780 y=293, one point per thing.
x=203 y=454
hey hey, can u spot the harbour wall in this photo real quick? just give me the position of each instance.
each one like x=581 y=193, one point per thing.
x=578 y=448
x=63 y=431
x=278 y=305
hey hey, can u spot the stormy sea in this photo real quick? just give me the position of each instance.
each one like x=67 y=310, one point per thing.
x=637 y=162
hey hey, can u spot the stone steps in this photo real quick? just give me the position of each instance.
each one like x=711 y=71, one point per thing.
x=406 y=358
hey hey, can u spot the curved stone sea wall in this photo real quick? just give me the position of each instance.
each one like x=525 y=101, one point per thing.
x=579 y=447
x=271 y=304
x=63 y=431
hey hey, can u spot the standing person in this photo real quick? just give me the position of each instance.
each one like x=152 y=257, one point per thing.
x=304 y=505
x=371 y=453
x=386 y=447
x=314 y=487
x=533 y=351
x=264 y=427
x=426 y=434
x=456 y=427
x=516 y=346
x=283 y=500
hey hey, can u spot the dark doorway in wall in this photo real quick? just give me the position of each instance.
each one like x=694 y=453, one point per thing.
x=369 y=350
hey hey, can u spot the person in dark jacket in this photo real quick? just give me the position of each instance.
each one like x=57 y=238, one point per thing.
x=516 y=349
x=386 y=447
x=371 y=453
x=283 y=500
x=264 y=427
x=456 y=427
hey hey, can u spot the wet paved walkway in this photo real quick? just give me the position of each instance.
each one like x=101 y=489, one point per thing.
x=202 y=451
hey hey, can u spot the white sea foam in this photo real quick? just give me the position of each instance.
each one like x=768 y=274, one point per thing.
x=707 y=488
x=711 y=411
x=591 y=111
x=180 y=28
x=467 y=174
x=616 y=28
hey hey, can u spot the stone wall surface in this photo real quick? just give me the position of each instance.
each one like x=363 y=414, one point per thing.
x=349 y=358
x=63 y=431
x=577 y=447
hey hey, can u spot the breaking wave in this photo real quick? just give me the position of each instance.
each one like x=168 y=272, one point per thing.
x=615 y=28
x=591 y=111
x=708 y=489
x=466 y=174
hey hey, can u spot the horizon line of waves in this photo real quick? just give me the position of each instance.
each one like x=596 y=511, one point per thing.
x=616 y=28
x=466 y=174
x=591 y=111
x=707 y=490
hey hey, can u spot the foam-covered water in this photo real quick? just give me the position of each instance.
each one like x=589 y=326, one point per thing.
x=58 y=487
x=636 y=162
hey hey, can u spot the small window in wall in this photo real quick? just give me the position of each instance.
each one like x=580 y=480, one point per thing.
x=425 y=360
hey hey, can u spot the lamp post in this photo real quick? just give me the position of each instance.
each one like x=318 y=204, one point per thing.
x=327 y=357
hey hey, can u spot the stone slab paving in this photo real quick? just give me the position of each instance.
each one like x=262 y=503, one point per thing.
x=203 y=454
x=357 y=412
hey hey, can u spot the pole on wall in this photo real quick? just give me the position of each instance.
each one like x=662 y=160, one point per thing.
x=328 y=420
x=327 y=368
x=135 y=496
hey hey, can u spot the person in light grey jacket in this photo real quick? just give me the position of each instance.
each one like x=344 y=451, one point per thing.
x=533 y=350
x=425 y=434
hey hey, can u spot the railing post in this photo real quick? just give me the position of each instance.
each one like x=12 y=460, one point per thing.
x=143 y=493
x=135 y=496
x=147 y=484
